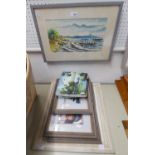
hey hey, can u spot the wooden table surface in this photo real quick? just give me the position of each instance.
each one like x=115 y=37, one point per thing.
x=115 y=113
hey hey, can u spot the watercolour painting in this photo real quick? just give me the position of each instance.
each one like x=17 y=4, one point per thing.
x=72 y=84
x=77 y=32
x=76 y=35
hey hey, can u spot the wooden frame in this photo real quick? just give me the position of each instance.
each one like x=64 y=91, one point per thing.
x=75 y=111
x=106 y=145
x=80 y=138
x=89 y=140
x=72 y=134
x=95 y=140
x=95 y=131
x=104 y=54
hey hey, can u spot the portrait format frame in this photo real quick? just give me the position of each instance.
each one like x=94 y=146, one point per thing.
x=75 y=111
x=91 y=40
x=95 y=132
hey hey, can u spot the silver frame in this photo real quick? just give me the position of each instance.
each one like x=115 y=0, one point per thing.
x=86 y=4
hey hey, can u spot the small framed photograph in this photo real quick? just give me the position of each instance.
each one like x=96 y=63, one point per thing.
x=71 y=125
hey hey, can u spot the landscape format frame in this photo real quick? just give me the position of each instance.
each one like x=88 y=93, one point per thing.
x=89 y=99
x=76 y=137
x=72 y=85
x=77 y=134
x=71 y=106
x=77 y=31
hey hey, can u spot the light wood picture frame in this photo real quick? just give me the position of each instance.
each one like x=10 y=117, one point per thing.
x=96 y=140
x=77 y=134
x=73 y=110
x=77 y=31
x=39 y=143
x=95 y=132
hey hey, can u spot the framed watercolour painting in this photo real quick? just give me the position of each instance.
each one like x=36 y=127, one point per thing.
x=72 y=85
x=65 y=105
x=76 y=31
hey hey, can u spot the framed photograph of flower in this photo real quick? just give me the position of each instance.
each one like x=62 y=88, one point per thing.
x=77 y=31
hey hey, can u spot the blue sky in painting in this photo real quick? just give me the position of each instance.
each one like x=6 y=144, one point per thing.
x=72 y=27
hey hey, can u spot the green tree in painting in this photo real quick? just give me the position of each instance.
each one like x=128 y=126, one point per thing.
x=53 y=34
x=68 y=89
x=55 y=40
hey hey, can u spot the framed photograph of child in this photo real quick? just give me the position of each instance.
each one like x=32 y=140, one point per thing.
x=71 y=125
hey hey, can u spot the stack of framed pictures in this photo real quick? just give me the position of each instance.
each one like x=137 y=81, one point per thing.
x=72 y=115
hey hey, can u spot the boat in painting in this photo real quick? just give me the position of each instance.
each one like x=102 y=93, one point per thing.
x=76 y=35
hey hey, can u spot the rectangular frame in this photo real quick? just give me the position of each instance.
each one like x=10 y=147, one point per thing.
x=95 y=140
x=106 y=145
x=94 y=123
x=75 y=111
x=76 y=75
x=72 y=134
x=105 y=53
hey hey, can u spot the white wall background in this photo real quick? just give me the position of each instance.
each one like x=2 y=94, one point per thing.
x=105 y=72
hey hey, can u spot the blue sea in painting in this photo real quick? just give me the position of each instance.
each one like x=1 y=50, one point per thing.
x=88 y=42
x=78 y=35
